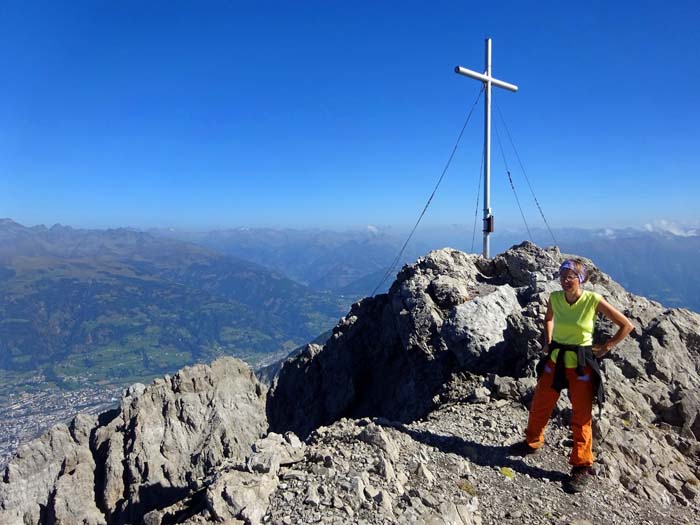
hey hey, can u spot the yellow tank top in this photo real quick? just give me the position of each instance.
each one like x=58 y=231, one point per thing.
x=573 y=323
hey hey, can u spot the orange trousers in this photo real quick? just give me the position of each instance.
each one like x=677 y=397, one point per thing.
x=581 y=395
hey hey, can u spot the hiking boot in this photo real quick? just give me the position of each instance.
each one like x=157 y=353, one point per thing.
x=579 y=479
x=521 y=448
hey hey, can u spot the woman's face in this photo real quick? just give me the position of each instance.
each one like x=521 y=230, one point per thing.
x=569 y=280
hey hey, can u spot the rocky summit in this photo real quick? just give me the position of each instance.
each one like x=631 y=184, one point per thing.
x=406 y=415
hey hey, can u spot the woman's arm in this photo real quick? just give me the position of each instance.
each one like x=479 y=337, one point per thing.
x=617 y=317
x=548 y=327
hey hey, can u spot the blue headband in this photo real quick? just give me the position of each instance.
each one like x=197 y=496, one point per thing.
x=569 y=265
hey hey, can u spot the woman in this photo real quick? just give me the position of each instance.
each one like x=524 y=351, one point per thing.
x=569 y=325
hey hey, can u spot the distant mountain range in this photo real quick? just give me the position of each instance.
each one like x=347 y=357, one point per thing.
x=348 y=262
x=123 y=305
x=119 y=305
x=660 y=265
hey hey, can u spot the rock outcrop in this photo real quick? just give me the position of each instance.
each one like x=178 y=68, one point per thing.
x=401 y=355
x=405 y=416
x=142 y=456
x=392 y=354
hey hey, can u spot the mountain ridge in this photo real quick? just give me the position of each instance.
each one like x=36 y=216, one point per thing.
x=71 y=299
x=364 y=255
x=422 y=437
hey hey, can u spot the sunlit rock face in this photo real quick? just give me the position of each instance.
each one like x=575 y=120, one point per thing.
x=119 y=466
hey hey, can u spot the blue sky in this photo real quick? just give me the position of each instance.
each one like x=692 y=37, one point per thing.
x=340 y=114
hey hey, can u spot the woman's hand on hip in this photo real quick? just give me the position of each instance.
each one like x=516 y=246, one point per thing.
x=600 y=350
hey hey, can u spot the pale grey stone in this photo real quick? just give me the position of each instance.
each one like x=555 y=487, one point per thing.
x=273 y=451
x=422 y=473
x=476 y=327
x=385 y=468
x=377 y=436
x=240 y=495
x=162 y=436
x=312 y=496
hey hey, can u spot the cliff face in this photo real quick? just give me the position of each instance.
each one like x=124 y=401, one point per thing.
x=392 y=354
x=142 y=456
x=406 y=415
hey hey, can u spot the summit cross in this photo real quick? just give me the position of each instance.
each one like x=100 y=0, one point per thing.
x=488 y=81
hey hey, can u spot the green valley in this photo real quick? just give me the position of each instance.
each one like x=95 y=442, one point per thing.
x=117 y=306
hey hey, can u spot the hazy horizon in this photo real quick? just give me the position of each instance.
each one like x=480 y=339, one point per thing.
x=679 y=229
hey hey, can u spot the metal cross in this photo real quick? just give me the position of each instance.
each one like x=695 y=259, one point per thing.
x=488 y=81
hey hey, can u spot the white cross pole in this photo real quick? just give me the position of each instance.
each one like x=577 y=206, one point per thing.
x=488 y=80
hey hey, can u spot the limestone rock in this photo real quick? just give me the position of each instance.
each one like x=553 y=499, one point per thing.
x=474 y=330
x=52 y=477
x=240 y=495
x=392 y=353
x=456 y=327
x=406 y=413
x=448 y=291
x=375 y=435
x=140 y=457
x=273 y=451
